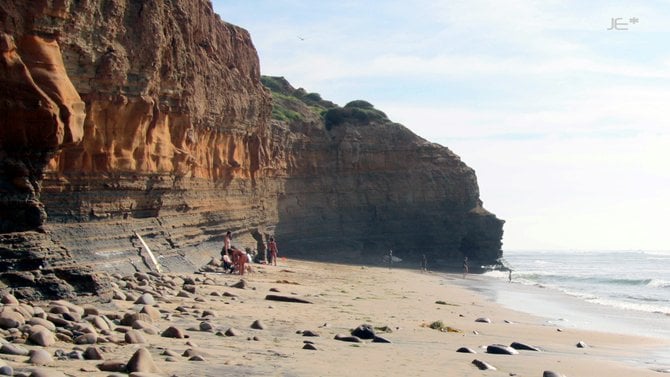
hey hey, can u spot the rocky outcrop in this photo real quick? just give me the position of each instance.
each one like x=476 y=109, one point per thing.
x=131 y=117
x=359 y=185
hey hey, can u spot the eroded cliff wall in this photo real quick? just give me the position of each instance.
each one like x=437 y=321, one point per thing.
x=362 y=185
x=125 y=117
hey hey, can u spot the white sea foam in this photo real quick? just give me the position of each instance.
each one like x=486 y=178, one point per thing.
x=634 y=280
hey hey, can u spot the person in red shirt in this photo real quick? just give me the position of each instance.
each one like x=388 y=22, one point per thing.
x=272 y=246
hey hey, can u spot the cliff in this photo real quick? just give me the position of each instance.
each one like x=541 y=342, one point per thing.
x=360 y=184
x=131 y=116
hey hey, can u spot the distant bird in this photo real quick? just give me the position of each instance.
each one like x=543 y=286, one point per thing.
x=301 y=38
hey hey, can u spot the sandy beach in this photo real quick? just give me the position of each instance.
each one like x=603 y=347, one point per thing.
x=400 y=304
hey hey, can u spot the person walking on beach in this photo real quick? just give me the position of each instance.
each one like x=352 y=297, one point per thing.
x=390 y=259
x=510 y=275
x=424 y=263
x=272 y=247
x=465 y=267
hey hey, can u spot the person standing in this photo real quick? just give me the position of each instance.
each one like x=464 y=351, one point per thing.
x=227 y=241
x=466 y=269
x=424 y=263
x=272 y=247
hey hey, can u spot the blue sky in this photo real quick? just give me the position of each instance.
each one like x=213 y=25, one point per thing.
x=565 y=121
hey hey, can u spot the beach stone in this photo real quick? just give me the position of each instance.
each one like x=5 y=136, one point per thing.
x=483 y=365
x=40 y=357
x=174 y=332
x=93 y=353
x=499 y=349
x=42 y=322
x=142 y=362
x=466 y=350
x=13 y=349
x=208 y=313
x=364 y=331
x=89 y=338
x=134 y=337
x=524 y=347
x=258 y=325
x=146 y=299
x=483 y=320
x=206 y=326
x=287 y=299
x=6 y=370
x=9 y=299
x=91 y=310
x=197 y=358
x=309 y=346
x=130 y=318
x=548 y=373
x=58 y=321
x=152 y=312
x=379 y=339
x=581 y=344
x=112 y=366
x=99 y=322
x=46 y=373
x=191 y=352
x=190 y=288
x=348 y=338
x=10 y=318
x=232 y=332
x=184 y=294
x=170 y=353
x=242 y=284
x=310 y=333
x=118 y=295
x=228 y=294
x=42 y=337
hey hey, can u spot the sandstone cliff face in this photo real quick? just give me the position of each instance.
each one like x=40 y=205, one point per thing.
x=362 y=185
x=124 y=116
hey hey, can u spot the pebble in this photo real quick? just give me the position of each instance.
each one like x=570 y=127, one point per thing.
x=465 y=350
x=483 y=320
x=499 y=349
x=40 y=357
x=258 y=325
x=548 y=373
x=525 y=347
x=141 y=361
x=581 y=344
x=483 y=365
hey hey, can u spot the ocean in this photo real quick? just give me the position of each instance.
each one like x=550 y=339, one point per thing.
x=635 y=280
x=621 y=292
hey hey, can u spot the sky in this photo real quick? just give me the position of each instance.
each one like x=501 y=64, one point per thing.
x=561 y=107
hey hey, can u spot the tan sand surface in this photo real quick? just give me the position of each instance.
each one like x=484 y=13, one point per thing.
x=344 y=297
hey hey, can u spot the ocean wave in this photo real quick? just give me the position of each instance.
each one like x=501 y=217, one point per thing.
x=658 y=283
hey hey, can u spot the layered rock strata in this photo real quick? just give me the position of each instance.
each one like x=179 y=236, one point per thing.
x=130 y=117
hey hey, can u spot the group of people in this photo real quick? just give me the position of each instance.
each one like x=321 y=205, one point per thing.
x=235 y=259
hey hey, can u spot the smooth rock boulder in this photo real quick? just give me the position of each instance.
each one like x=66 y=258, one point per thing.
x=465 y=350
x=364 y=331
x=39 y=357
x=524 y=347
x=483 y=365
x=548 y=373
x=499 y=349
x=134 y=337
x=142 y=362
x=174 y=332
